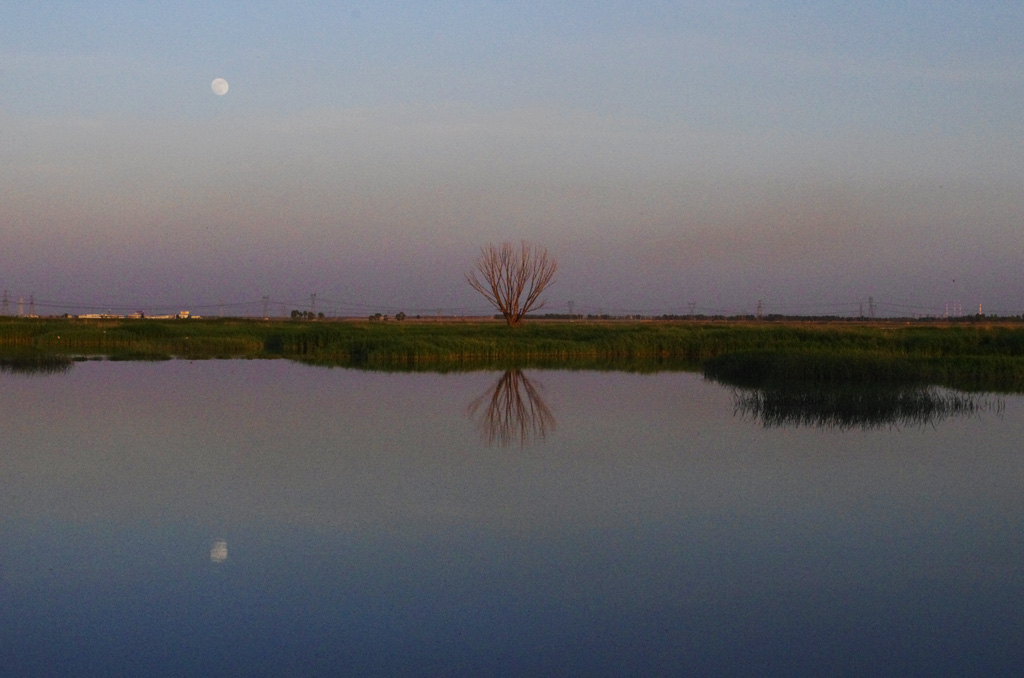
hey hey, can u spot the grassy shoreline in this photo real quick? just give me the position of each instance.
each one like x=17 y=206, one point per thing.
x=986 y=356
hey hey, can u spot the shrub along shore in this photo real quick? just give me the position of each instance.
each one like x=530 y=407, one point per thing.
x=974 y=356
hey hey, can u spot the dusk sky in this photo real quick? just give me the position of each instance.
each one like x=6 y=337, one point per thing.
x=671 y=155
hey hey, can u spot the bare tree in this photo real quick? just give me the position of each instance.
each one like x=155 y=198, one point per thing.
x=513 y=278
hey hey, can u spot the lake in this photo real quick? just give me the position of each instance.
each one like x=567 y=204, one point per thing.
x=265 y=518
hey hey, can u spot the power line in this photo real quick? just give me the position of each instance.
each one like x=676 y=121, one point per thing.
x=340 y=307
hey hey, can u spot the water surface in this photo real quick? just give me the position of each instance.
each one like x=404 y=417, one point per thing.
x=267 y=518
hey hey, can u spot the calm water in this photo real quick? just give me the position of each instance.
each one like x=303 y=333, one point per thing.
x=266 y=518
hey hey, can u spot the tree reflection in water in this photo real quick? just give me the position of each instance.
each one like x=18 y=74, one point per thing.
x=512 y=411
x=859 y=407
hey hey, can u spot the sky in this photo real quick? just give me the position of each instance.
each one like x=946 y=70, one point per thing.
x=814 y=158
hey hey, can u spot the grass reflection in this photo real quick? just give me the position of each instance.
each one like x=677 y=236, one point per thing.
x=512 y=411
x=35 y=364
x=863 y=407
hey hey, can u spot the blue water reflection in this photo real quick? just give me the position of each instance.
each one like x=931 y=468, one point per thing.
x=264 y=518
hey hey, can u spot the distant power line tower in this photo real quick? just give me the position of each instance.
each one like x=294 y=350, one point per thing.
x=266 y=307
x=32 y=305
x=760 y=310
x=871 y=307
x=571 y=304
x=693 y=309
x=21 y=306
x=6 y=304
x=312 y=304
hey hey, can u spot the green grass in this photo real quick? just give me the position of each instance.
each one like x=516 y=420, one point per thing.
x=975 y=357
x=984 y=371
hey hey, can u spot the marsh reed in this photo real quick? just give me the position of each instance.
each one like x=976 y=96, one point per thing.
x=975 y=357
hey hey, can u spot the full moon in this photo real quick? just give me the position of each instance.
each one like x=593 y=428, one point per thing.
x=218 y=551
x=219 y=87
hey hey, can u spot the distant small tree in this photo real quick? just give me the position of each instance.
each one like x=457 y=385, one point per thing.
x=513 y=278
x=400 y=316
